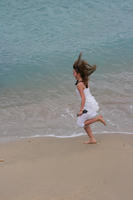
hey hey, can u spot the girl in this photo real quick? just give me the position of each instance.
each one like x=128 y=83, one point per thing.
x=89 y=107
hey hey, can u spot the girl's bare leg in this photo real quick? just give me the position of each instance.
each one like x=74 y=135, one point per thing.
x=92 y=140
x=98 y=118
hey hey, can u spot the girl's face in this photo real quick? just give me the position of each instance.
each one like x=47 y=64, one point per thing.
x=75 y=74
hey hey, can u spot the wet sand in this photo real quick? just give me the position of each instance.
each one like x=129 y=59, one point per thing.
x=62 y=169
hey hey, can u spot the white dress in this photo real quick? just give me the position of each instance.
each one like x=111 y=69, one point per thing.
x=91 y=106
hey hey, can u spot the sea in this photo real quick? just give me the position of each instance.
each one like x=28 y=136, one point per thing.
x=39 y=42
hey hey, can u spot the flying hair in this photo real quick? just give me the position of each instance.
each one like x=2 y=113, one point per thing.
x=83 y=68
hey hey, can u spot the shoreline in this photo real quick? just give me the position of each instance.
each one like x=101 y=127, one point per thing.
x=65 y=168
x=15 y=139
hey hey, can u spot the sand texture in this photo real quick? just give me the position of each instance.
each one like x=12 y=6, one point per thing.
x=67 y=169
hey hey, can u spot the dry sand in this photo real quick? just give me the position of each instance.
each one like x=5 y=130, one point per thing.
x=67 y=169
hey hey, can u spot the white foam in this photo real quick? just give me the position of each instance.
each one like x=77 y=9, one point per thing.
x=11 y=139
x=55 y=136
x=73 y=135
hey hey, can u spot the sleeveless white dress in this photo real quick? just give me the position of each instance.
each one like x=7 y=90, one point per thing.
x=91 y=106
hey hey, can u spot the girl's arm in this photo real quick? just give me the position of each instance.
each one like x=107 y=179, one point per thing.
x=81 y=91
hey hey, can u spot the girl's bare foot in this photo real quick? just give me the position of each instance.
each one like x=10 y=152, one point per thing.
x=102 y=120
x=90 y=141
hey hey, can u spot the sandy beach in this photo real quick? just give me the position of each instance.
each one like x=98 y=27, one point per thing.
x=62 y=169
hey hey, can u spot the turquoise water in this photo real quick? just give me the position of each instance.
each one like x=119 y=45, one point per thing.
x=40 y=41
